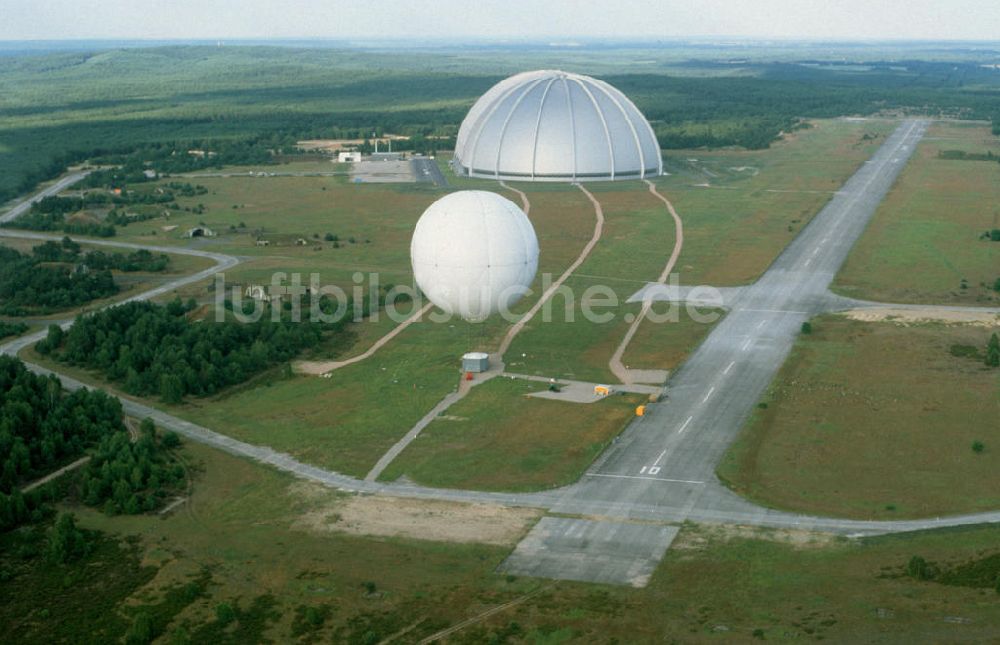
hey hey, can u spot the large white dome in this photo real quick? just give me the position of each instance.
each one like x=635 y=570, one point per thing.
x=473 y=253
x=556 y=126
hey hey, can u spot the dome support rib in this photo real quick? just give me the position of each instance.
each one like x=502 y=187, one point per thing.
x=631 y=126
x=506 y=121
x=652 y=136
x=572 y=120
x=538 y=123
x=607 y=132
x=482 y=126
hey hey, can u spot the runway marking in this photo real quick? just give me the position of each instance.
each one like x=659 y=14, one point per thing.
x=658 y=479
x=816 y=250
x=747 y=344
x=685 y=424
x=728 y=367
x=655 y=470
x=709 y=394
x=657 y=462
x=808 y=262
x=761 y=324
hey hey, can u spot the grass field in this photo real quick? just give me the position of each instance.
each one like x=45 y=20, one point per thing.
x=241 y=529
x=497 y=438
x=665 y=346
x=876 y=420
x=347 y=421
x=756 y=202
x=925 y=238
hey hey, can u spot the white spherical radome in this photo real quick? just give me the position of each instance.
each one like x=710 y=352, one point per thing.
x=474 y=253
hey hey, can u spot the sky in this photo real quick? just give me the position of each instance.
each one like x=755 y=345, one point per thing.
x=492 y=19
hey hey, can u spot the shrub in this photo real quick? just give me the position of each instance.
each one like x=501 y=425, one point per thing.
x=807 y=327
x=920 y=569
x=66 y=541
x=141 y=630
x=993 y=351
x=224 y=613
x=978 y=447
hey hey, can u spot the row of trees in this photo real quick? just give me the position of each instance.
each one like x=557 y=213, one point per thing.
x=11 y=329
x=66 y=250
x=50 y=213
x=42 y=427
x=56 y=221
x=154 y=349
x=172 y=157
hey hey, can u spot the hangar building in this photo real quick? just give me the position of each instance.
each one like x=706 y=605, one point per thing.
x=556 y=126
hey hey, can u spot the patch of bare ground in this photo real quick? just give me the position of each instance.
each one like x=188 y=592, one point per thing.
x=910 y=316
x=384 y=516
x=700 y=537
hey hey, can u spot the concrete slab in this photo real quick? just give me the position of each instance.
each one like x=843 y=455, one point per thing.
x=615 y=553
x=649 y=377
x=571 y=392
x=382 y=172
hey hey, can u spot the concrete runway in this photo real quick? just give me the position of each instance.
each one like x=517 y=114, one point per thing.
x=661 y=470
x=664 y=463
x=432 y=174
x=59 y=186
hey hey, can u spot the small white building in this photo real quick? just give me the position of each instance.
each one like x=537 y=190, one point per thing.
x=348 y=157
x=475 y=362
x=256 y=292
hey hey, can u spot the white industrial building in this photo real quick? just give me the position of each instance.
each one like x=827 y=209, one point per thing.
x=556 y=126
x=475 y=362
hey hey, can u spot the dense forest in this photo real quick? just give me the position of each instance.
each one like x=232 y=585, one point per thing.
x=29 y=285
x=125 y=476
x=42 y=427
x=249 y=104
x=153 y=349
x=58 y=275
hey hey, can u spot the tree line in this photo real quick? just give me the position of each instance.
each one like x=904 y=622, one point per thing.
x=11 y=329
x=157 y=350
x=58 y=275
x=28 y=286
x=43 y=427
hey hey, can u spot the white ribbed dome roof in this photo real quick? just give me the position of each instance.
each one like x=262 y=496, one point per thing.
x=556 y=126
